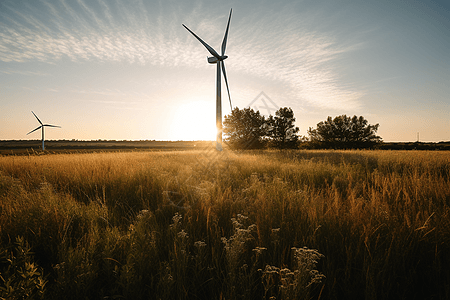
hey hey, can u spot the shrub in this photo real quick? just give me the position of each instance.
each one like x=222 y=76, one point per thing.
x=20 y=276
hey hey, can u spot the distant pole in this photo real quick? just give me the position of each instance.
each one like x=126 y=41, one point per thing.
x=418 y=137
x=43 y=147
x=218 y=110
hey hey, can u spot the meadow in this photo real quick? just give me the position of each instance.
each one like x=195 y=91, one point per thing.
x=197 y=224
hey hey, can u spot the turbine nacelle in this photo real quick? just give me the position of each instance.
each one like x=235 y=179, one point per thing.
x=214 y=60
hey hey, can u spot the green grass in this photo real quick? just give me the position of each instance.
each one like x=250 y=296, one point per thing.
x=207 y=225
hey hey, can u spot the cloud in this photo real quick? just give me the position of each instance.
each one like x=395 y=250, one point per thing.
x=275 y=46
x=26 y=73
x=302 y=59
x=112 y=92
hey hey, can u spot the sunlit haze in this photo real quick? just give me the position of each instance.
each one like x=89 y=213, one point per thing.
x=129 y=70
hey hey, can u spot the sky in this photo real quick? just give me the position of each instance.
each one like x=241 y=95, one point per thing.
x=128 y=70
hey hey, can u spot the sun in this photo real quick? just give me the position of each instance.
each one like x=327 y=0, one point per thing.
x=194 y=120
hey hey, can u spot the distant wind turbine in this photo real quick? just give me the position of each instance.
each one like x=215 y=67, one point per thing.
x=219 y=60
x=42 y=127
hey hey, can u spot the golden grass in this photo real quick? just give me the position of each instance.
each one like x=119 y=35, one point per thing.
x=201 y=224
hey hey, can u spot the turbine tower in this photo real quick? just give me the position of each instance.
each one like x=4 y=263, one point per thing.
x=219 y=61
x=42 y=127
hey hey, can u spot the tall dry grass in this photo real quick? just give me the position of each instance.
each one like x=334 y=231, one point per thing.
x=207 y=225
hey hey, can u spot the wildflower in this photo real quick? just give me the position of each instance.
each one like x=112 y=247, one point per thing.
x=176 y=218
x=200 y=244
x=182 y=234
x=271 y=270
x=241 y=217
x=259 y=250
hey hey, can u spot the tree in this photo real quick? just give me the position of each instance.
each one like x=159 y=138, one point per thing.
x=281 y=129
x=244 y=129
x=345 y=132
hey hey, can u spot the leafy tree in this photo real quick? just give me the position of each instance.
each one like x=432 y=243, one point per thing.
x=345 y=132
x=244 y=129
x=281 y=129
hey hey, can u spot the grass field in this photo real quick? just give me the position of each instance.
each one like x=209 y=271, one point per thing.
x=33 y=147
x=199 y=224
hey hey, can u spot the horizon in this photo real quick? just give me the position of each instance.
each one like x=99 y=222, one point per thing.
x=130 y=71
x=169 y=141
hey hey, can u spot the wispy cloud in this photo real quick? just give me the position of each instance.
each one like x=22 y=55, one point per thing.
x=275 y=47
x=303 y=59
x=119 y=104
x=112 y=92
x=26 y=73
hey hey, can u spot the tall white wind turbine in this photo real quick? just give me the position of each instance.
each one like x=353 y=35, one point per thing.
x=42 y=127
x=219 y=60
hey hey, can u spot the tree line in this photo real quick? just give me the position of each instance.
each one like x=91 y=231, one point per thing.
x=248 y=129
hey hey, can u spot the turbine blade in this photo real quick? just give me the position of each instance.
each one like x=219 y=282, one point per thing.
x=226 y=82
x=210 y=49
x=51 y=125
x=224 y=42
x=34 y=130
x=37 y=118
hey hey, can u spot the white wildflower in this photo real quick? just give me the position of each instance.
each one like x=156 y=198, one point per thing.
x=182 y=234
x=200 y=244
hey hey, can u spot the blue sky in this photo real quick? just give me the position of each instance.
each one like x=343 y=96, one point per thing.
x=117 y=69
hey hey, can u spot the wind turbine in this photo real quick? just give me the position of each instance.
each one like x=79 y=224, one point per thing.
x=42 y=127
x=219 y=60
